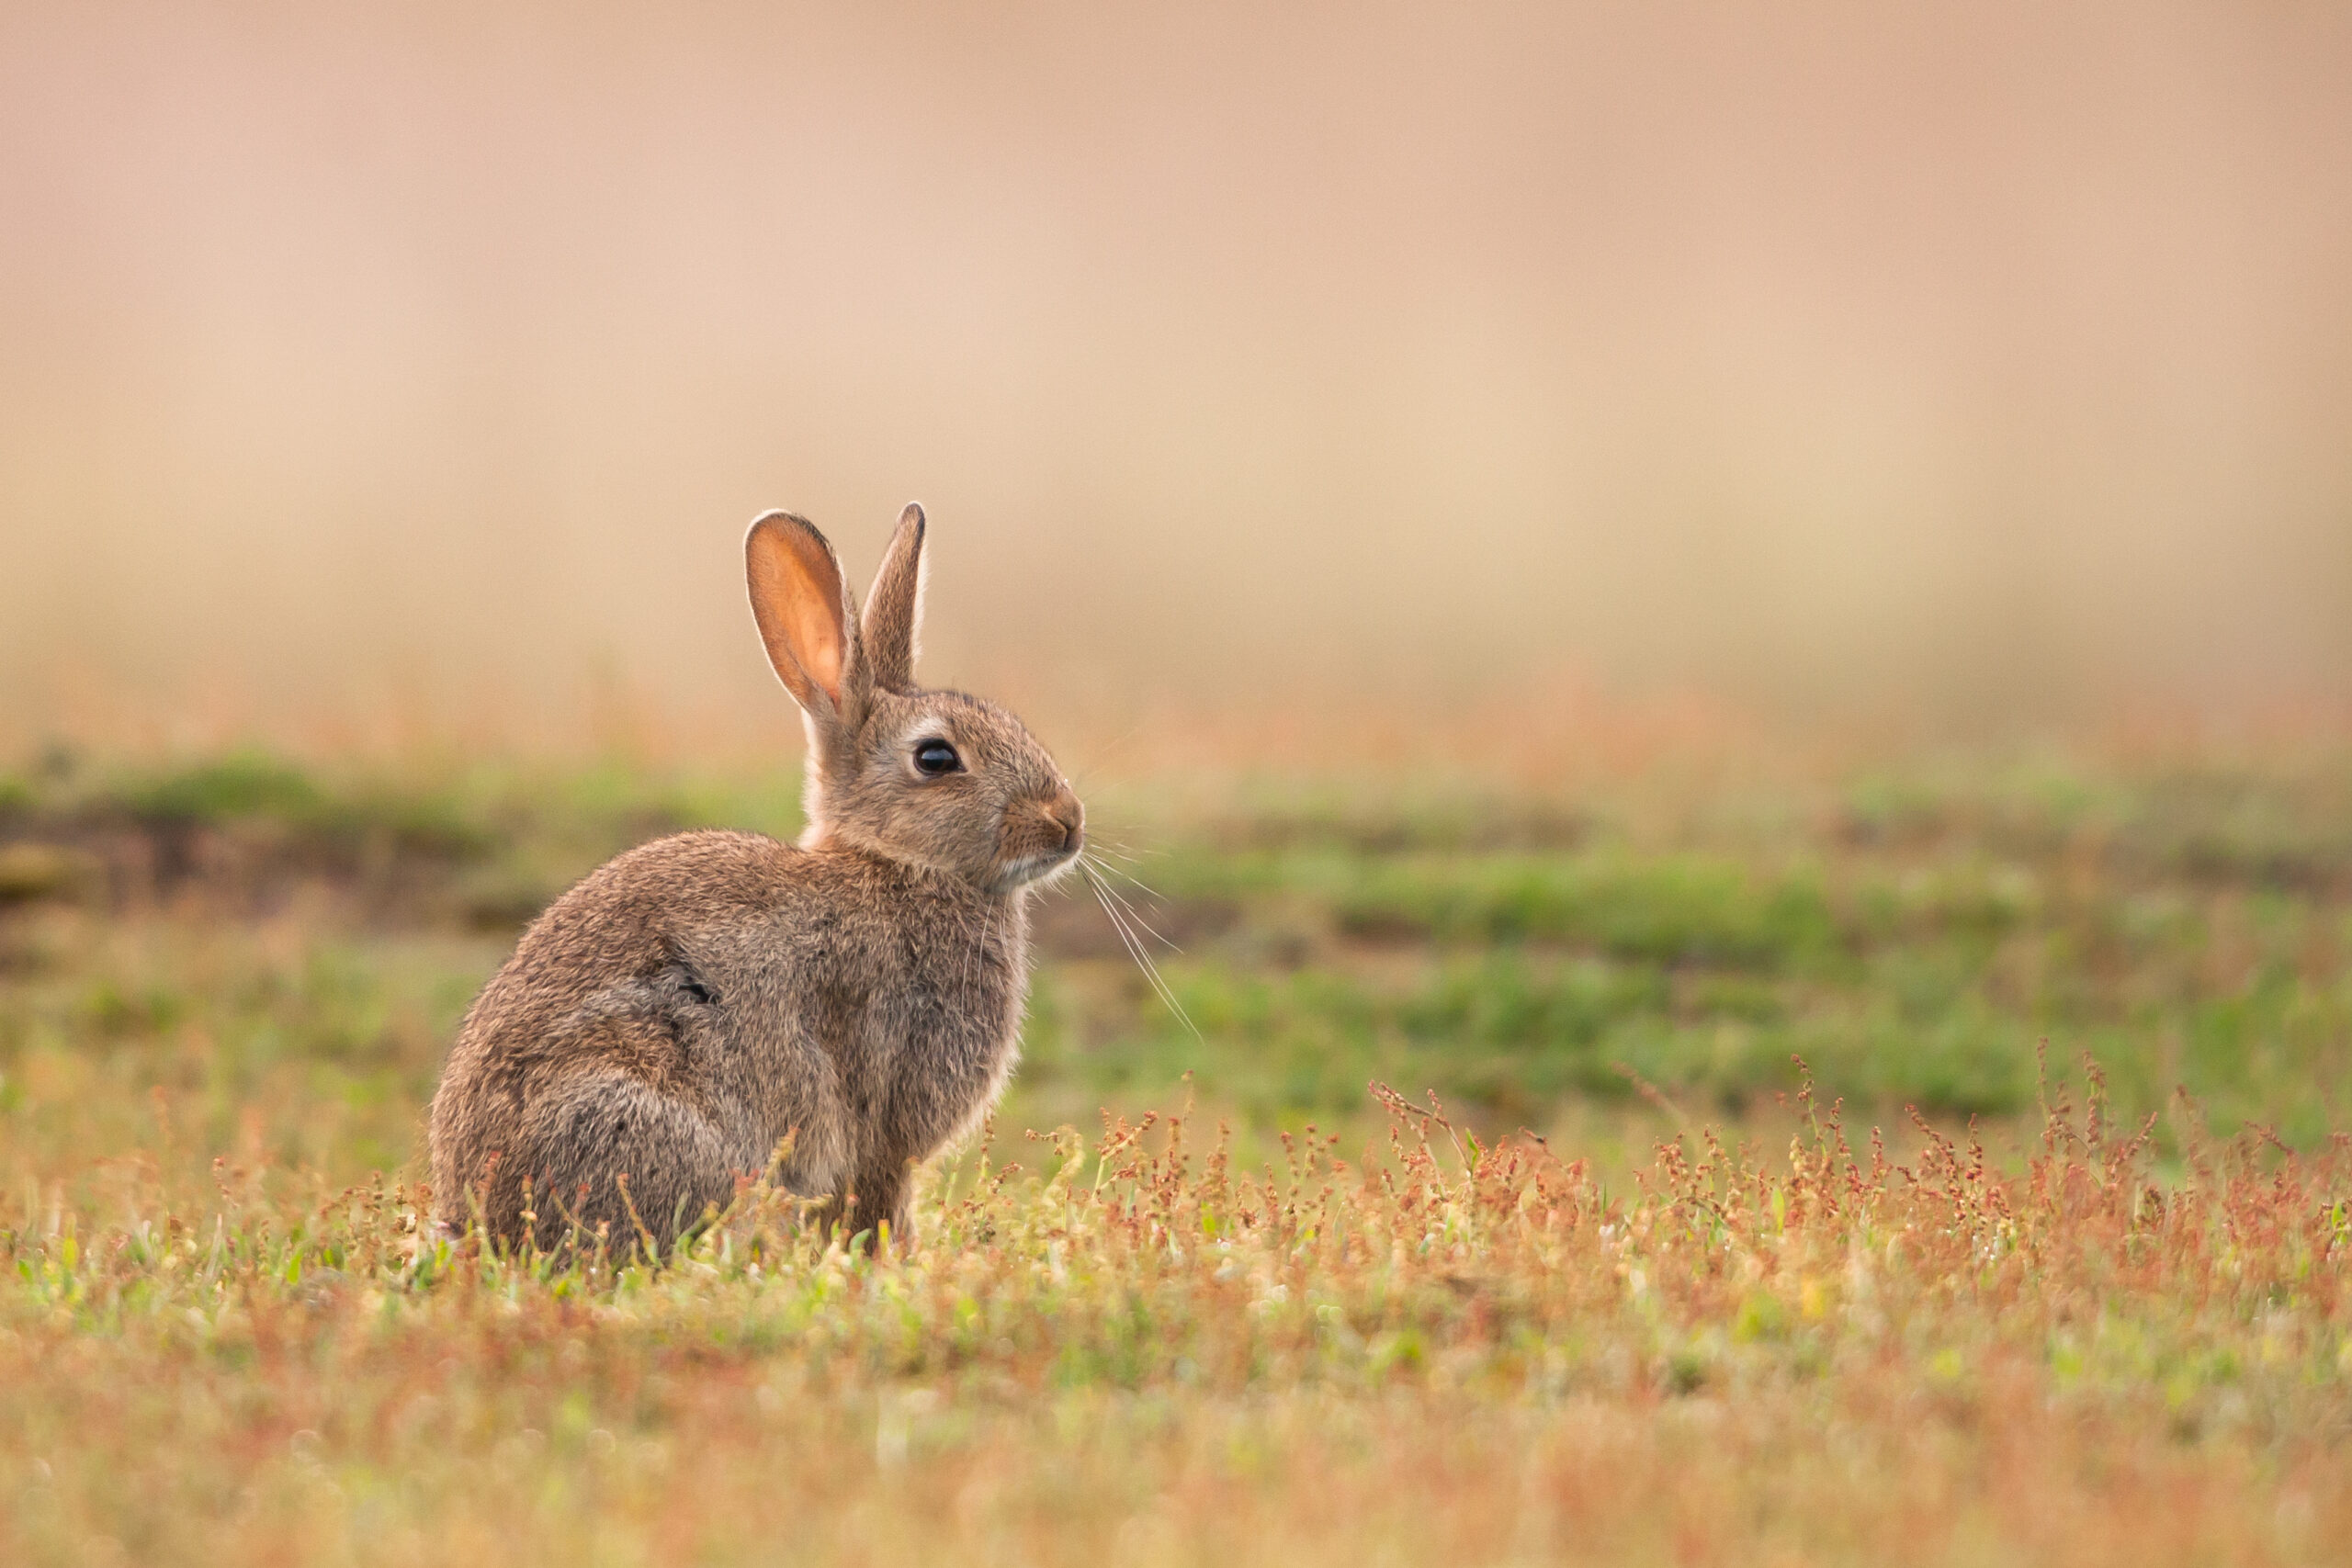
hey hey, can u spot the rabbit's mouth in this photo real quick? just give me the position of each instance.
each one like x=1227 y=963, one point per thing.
x=1032 y=869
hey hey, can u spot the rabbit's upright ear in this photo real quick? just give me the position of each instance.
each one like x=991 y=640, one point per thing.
x=806 y=618
x=894 y=610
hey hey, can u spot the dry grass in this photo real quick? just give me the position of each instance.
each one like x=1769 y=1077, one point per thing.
x=1129 y=1350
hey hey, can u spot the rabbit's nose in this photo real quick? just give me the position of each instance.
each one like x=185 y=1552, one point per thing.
x=1070 y=818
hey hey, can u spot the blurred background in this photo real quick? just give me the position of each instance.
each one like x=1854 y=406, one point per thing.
x=1577 y=552
x=1978 y=364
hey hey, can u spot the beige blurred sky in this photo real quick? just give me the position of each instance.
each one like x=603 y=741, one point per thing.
x=1974 y=359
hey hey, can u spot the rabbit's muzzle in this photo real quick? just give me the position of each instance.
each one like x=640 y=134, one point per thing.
x=1040 y=838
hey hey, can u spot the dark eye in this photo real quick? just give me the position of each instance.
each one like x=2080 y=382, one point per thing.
x=933 y=758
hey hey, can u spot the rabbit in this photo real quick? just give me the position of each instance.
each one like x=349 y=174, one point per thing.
x=668 y=1024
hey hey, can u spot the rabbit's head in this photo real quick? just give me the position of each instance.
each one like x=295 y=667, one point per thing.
x=932 y=779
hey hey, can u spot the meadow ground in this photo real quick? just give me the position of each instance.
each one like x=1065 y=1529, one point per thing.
x=1635 y=1294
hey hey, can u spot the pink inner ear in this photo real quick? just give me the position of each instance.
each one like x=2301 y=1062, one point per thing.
x=797 y=594
x=816 y=642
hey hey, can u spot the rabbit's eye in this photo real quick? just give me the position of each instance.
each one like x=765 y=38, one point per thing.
x=933 y=758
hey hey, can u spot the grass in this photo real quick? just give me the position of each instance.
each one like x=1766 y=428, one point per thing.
x=1135 y=1349
x=1561 y=1320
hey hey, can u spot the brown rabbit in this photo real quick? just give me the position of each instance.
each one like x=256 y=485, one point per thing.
x=665 y=1024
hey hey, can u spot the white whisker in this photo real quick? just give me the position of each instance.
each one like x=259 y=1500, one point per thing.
x=1127 y=877
x=1106 y=890
x=1143 y=959
x=1095 y=764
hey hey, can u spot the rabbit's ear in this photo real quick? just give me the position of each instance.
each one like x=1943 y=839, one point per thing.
x=805 y=615
x=894 y=610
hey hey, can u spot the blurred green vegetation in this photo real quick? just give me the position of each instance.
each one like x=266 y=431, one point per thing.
x=246 y=953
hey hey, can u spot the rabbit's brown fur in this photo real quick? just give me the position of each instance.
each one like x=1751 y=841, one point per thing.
x=666 y=1023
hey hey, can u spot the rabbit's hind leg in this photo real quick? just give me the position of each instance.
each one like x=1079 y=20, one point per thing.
x=880 y=1194
x=616 y=1157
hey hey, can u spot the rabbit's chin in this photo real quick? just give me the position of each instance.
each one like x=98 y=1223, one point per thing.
x=1034 y=871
